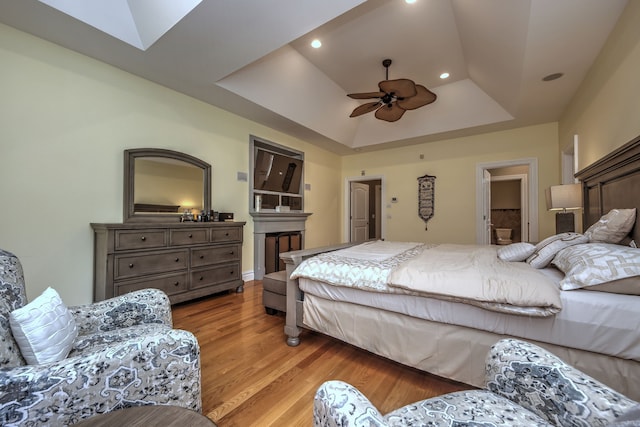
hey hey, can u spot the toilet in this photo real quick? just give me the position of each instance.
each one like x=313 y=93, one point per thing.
x=503 y=236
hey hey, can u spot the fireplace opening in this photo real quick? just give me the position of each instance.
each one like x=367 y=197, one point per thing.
x=275 y=244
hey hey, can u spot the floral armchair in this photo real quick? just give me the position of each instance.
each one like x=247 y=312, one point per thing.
x=524 y=386
x=125 y=354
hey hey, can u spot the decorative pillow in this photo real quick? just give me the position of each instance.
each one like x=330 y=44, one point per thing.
x=612 y=227
x=629 y=418
x=596 y=263
x=549 y=247
x=628 y=286
x=44 y=329
x=516 y=252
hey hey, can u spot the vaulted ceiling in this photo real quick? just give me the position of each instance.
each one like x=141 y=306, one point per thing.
x=253 y=57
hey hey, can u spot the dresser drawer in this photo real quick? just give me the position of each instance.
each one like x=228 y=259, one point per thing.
x=188 y=237
x=172 y=284
x=136 y=239
x=137 y=265
x=226 y=235
x=215 y=255
x=212 y=276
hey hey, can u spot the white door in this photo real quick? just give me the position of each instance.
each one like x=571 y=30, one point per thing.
x=486 y=208
x=378 y=214
x=359 y=212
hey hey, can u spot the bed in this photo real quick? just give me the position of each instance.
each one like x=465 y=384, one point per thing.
x=592 y=326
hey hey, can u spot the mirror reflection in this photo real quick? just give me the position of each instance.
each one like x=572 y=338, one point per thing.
x=165 y=185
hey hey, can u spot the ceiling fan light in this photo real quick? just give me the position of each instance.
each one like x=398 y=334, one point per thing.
x=400 y=88
x=394 y=98
x=390 y=112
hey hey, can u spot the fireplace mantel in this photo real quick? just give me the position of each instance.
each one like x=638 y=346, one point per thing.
x=273 y=222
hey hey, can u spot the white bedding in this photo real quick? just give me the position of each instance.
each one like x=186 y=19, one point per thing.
x=465 y=273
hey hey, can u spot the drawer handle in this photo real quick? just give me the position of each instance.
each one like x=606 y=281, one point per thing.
x=231 y=253
x=201 y=278
x=176 y=284
x=190 y=235
x=226 y=234
x=231 y=272
x=177 y=259
x=131 y=265
x=143 y=238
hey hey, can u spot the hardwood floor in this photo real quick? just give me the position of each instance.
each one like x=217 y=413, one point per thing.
x=250 y=377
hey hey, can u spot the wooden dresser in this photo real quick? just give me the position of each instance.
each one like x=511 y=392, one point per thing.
x=186 y=260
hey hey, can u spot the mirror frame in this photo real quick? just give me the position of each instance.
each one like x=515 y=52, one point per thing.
x=129 y=214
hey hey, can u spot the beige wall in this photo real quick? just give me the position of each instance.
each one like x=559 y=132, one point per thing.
x=65 y=120
x=453 y=162
x=605 y=113
x=505 y=194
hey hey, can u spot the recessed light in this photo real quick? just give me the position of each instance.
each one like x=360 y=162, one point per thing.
x=553 y=76
x=444 y=75
x=410 y=1
x=316 y=44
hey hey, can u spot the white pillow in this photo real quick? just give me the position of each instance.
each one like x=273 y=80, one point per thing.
x=44 y=329
x=612 y=227
x=549 y=247
x=596 y=263
x=516 y=252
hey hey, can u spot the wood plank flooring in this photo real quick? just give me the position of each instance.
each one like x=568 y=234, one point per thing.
x=250 y=377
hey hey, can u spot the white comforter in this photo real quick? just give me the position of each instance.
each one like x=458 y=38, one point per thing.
x=464 y=273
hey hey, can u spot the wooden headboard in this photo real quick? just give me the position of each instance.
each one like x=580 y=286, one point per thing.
x=613 y=182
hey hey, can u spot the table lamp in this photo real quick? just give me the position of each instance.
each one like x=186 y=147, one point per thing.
x=562 y=198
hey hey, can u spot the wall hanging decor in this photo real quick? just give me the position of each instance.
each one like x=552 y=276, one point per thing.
x=426 y=194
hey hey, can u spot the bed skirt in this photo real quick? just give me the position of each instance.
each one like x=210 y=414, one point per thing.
x=449 y=351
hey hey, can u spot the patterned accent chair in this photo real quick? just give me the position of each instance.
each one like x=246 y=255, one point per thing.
x=126 y=354
x=525 y=386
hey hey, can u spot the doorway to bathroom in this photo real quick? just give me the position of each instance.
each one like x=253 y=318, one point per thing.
x=509 y=211
x=506 y=198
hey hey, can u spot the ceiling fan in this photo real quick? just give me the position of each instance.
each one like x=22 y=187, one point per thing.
x=395 y=97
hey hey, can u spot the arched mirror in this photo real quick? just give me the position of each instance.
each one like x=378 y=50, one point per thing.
x=159 y=185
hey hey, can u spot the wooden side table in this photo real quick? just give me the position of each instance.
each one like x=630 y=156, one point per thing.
x=140 y=416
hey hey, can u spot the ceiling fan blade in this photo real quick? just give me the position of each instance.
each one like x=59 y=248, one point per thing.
x=422 y=98
x=400 y=88
x=365 y=108
x=390 y=112
x=366 y=95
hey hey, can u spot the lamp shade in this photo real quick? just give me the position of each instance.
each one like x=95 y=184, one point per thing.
x=563 y=197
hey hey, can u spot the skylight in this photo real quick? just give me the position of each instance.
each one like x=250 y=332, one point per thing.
x=139 y=23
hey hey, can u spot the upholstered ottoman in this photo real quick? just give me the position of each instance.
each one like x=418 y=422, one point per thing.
x=274 y=292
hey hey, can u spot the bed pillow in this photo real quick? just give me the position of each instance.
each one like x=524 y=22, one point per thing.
x=628 y=286
x=547 y=249
x=516 y=252
x=612 y=227
x=44 y=329
x=596 y=263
